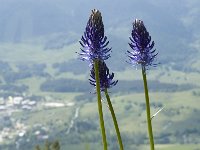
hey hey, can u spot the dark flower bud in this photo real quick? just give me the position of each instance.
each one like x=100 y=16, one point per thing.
x=106 y=79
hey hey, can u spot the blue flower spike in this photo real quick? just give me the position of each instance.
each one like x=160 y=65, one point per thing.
x=106 y=82
x=144 y=54
x=94 y=49
x=142 y=48
x=94 y=43
x=106 y=79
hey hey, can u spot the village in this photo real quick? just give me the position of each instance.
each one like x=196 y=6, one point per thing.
x=15 y=130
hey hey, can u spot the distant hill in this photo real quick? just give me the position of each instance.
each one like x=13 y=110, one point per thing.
x=173 y=25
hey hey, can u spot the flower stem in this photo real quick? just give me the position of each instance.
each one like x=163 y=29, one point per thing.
x=151 y=140
x=103 y=132
x=114 y=120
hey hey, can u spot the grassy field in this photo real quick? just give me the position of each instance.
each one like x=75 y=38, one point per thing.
x=175 y=147
x=19 y=53
x=142 y=147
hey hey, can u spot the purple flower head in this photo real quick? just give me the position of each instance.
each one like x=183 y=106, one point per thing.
x=143 y=52
x=93 y=42
x=106 y=79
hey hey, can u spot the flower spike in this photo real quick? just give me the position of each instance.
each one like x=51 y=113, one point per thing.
x=106 y=79
x=93 y=42
x=143 y=53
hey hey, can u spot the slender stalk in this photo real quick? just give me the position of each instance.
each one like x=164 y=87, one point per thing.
x=151 y=140
x=114 y=120
x=103 y=132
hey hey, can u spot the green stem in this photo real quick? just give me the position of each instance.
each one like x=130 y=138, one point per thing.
x=103 y=132
x=114 y=120
x=151 y=140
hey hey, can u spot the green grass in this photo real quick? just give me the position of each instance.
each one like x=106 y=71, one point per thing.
x=18 y=53
x=55 y=115
x=134 y=119
x=33 y=83
x=174 y=147
x=142 y=147
x=84 y=146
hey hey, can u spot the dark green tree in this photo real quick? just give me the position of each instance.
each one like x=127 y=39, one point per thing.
x=37 y=147
x=56 y=145
x=47 y=145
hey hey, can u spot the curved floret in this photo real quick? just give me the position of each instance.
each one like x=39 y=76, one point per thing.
x=141 y=45
x=106 y=79
x=94 y=43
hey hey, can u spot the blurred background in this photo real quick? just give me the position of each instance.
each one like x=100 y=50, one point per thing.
x=44 y=88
